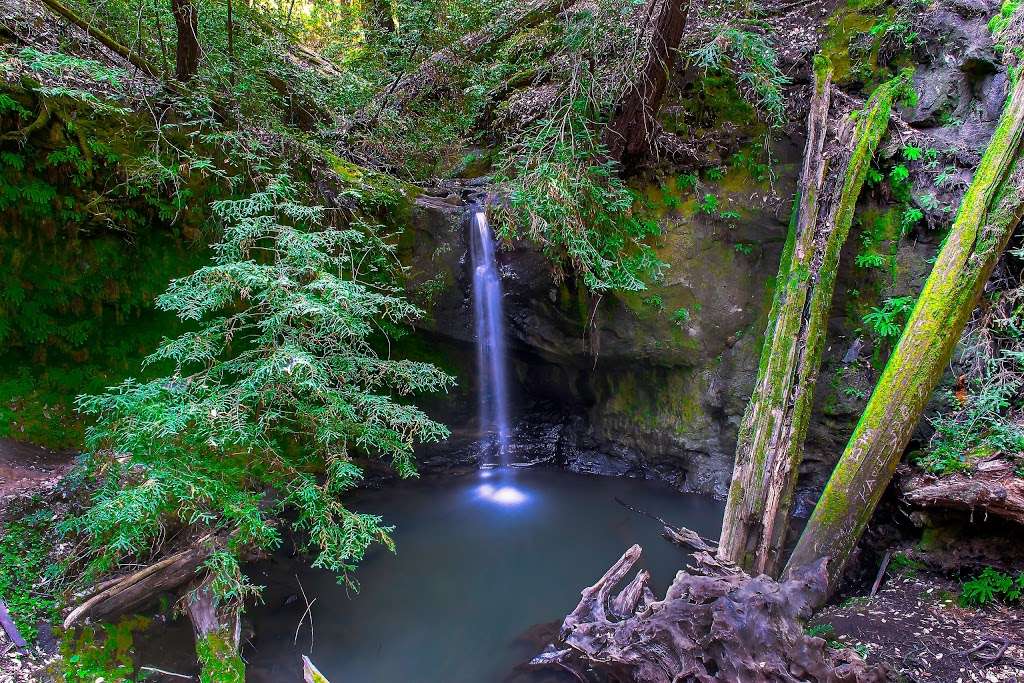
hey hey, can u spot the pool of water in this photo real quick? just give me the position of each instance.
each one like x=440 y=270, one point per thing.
x=486 y=563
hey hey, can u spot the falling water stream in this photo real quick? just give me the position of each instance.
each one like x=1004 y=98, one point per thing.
x=489 y=321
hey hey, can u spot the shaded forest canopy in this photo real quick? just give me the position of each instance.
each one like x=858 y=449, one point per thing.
x=209 y=285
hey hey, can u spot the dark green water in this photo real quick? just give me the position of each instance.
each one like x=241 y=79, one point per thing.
x=482 y=564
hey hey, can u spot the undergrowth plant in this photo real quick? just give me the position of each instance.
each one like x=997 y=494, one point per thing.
x=992 y=585
x=983 y=417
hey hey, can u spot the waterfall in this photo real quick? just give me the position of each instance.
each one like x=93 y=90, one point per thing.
x=489 y=321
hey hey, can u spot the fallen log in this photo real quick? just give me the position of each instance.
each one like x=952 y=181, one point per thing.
x=992 y=487
x=989 y=213
x=771 y=436
x=135 y=590
x=713 y=625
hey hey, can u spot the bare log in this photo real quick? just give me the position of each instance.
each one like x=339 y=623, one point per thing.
x=990 y=488
x=631 y=133
x=135 y=590
x=988 y=215
x=727 y=628
x=11 y=629
x=771 y=436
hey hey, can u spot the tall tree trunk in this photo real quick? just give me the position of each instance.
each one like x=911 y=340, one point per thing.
x=217 y=628
x=989 y=212
x=186 y=19
x=771 y=436
x=630 y=135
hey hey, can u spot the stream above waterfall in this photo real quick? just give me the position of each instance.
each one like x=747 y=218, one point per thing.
x=484 y=561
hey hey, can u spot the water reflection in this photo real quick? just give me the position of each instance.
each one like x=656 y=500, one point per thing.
x=502 y=491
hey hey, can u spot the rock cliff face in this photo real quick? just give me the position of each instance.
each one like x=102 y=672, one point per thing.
x=654 y=384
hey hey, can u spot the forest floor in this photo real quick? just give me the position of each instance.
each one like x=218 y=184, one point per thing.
x=25 y=468
x=915 y=625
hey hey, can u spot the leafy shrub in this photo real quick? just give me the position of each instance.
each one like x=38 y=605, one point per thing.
x=983 y=413
x=887 y=321
x=708 y=204
x=752 y=59
x=869 y=260
x=25 y=546
x=992 y=585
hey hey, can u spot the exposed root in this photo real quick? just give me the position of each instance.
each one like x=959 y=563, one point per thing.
x=716 y=625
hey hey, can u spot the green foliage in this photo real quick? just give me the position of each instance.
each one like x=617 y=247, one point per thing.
x=220 y=661
x=59 y=63
x=899 y=174
x=911 y=216
x=104 y=652
x=896 y=26
x=708 y=204
x=911 y=153
x=567 y=196
x=869 y=260
x=25 y=546
x=750 y=57
x=901 y=563
x=745 y=249
x=887 y=320
x=681 y=317
x=981 y=419
x=999 y=21
x=276 y=386
x=992 y=585
x=565 y=192
x=655 y=301
x=686 y=181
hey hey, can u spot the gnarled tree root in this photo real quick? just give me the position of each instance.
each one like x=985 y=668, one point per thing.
x=716 y=623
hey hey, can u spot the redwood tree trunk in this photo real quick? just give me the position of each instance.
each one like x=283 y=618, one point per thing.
x=989 y=212
x=631 y=132
x=771 y=436
x=186 y=19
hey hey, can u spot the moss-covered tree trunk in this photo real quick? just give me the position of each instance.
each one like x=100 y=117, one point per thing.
x=631 y=131
x=217 y=627
x=770 y=445
x=989 y=212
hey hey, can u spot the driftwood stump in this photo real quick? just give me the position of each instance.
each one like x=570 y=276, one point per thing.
x=715 y=624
